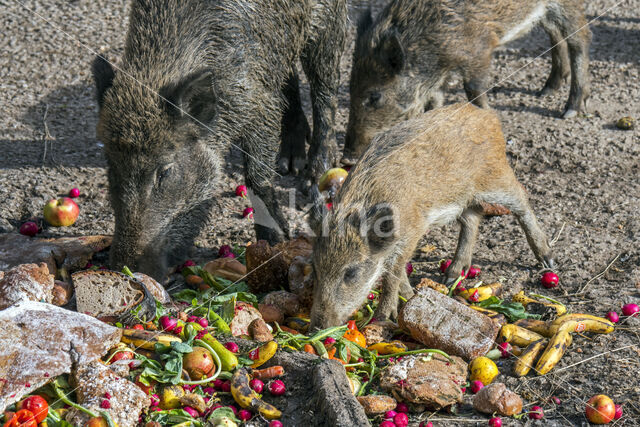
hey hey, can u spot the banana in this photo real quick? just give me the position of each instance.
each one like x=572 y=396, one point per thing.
x=244 y=396
x=525 y=362
x=388 y=347
x=146 y=339
x=585 y=322
x=558 y=344
x=261 y=354
x=525 y=300
x=538 y=326
x=499 y=318
x=484 y=292
x=518 y=336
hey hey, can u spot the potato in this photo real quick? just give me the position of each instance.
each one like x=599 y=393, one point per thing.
x=497 y=398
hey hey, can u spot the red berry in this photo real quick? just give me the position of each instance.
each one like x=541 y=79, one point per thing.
x=29 y=228
x=241 y=191
x=74 y=192
x=231 y=346
x=105 y=404
x=536 y=413
x=549 y=280
x=495 y=422
x=247 y=212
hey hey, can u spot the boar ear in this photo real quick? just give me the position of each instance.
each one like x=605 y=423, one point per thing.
x=391 y=53
x=318 y=211
x=103 y=75
x=364 y=22
x=193 y=96
x=380 y=227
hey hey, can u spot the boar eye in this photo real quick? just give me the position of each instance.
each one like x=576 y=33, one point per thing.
x=350 y=274
x=374 y=99
x=164 y=174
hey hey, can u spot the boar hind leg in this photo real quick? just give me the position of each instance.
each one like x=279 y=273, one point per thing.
x=560 y=68
x=295 y=129
x=469 y=223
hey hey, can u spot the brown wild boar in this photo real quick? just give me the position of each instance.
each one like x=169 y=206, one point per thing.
x=402 y=58
x=373 y=229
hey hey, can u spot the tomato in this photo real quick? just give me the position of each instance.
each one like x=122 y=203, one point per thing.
x=22 y=418
x=138 y=326
x=351 y=324
x=122 y=355
x=37 y=405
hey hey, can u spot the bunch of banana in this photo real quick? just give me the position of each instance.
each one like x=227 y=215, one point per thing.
x=146 y=339
x=246 y=397
x=525 y=301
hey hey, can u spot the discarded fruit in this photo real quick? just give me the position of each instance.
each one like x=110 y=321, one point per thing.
x=277 y=388
x=61 y=212
x=387 y=423
x=355 y=336
x=261 y=354
x=29 y=228
x=625 y=123
x=198 y=363
x=630 y=309
x=473 y=272
x=618 y=413
x=495 y=422
x=549 y=280
x=536 y=413
x=168 y=324
x=22 y=418
x=401 y=420
x=36 y=405
x=275 y=423
x=74 y=192
x=231 y=346
x=402 y=407
x=389 y=415
x=247 y=213
x=241 y=191
x=476 y=386
x=444 y=265
x=244 y=415
x=332 y=180
x=600 y=409
x=505 y=350
x=483 y=369
x=257 y=385
x=613 y=316
x=247 y=398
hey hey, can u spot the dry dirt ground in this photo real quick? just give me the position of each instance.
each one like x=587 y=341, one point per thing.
x=582 y=175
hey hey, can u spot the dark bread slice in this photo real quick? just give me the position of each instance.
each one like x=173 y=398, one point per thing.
x=113 y=297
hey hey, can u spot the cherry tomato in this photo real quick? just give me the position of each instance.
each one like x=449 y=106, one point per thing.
x=37 y=405
x=138 y=326
x=22 y=418
x=122 y=355
x=351 y=324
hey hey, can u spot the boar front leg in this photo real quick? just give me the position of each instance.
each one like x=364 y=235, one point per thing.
x=295 y=129
x=560 y=68
x=393 y=281
x=469 y=222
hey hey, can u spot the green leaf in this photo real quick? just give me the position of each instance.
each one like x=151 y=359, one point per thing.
x=512 y=310
x=174 y=416
x=223 y=412
x=228 y=310
x=185 y=295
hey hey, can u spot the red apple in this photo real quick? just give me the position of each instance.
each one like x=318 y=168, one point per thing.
x=600 y=409
x=61 y=212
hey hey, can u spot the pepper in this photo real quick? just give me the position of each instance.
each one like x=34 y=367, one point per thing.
x=22 y=418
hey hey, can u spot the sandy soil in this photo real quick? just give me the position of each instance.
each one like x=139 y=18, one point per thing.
x=582 y=174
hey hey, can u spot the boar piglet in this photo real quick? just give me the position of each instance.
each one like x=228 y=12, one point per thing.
x=404 y=56
x=413 y=177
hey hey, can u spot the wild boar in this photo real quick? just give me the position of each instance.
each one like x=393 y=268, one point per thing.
x=373 y=228
x=402 y=58
x=197 y=77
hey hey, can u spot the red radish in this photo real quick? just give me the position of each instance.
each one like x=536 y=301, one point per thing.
x=217 y=384
x=549 y=280
x=277 y=388
x=234 y=409
x=474 y=297
x=74 y=192
x=476 y=386
x=275 y=423
x=244 y=415
x=29 y=228
x=241 y=191
x=473 y=272
x=192 y=319
x=225 y=387
x=409 y=268
x=387 y=423
x=618 y=413
x=495 y=422
x=613 y=316
x=427 y=424
x=189 y=410
x=203 y=322
x=505 y=350
x=232 y=347
x=536 y=413
x=371 y=296
x=556 y=400
x=444 y=265
x=168 y=324
x=225 y=251
x=208 y=390
x=247 y=213
x=401 y=420
x=257 y=385
x=630 y=309
x=187 y=263
x=329 y=341
x=389 y=415
x=402 y=407
x=329 y=205
x=155 y=400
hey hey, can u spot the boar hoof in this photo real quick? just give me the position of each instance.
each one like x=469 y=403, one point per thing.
x=570 y=113
x=548 y=262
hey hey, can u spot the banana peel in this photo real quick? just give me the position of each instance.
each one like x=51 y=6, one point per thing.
x=146 y=339
x=244 y=396
x=556 y=348
x=526 y=300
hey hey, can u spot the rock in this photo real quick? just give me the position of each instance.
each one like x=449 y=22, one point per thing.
x=432 y=381
x=62 y=293
x=26 y=282
x=155 y=289
x=271 y=313
x=318 y=392
x=301 y=280
x=269 y=266
x=438 y=321
x=68 y=253
x=498 y=398
x=379 y=331
x=259 y=331
x=40 y=341
x=95 y=383
x=286 y=302
x=227 y=268
x=377 y=404
x=245 y=313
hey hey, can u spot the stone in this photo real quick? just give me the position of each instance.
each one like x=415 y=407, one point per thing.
x=430 y=380
x=440 y=322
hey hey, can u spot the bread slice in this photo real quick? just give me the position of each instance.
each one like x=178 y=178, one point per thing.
x=112 y=297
